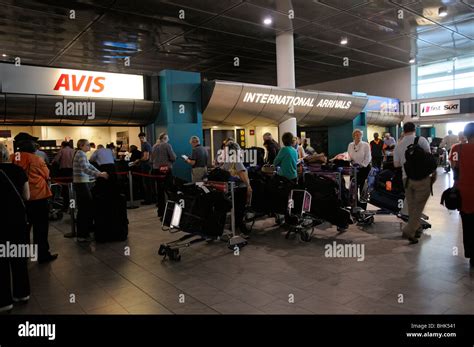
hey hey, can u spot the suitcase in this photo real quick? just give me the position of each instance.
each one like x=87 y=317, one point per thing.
x=325 y=203
x=111 y=222
x=278 y=189
x=390 y=201
x=259 y=202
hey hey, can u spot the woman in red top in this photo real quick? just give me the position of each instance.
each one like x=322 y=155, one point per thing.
x=462 y=159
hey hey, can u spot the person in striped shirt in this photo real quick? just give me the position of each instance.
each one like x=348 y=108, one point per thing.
x=83 y=174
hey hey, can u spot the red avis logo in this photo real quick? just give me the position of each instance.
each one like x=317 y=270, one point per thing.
x=71 y=82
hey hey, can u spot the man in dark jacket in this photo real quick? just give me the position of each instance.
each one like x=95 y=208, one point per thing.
x=376 y=149
x=272 y=147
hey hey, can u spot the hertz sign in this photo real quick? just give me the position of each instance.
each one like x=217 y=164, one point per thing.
x=439 y=108
x=50 y=81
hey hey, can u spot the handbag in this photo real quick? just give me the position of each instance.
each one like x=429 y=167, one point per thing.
x=268 y=169
x=451 y=197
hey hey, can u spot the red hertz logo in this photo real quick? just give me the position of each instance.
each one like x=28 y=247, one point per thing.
x=71 y=82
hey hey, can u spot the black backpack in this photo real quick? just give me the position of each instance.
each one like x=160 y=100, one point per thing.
x=419 y=164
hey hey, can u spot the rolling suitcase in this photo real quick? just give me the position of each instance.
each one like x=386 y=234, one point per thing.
x=111 y=222
x=390 y=201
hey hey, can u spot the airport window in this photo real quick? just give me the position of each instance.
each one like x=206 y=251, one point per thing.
x=446 y=78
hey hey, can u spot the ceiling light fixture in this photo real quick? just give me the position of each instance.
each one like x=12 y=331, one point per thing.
x=412 y=60
x=442 y=11
x=344 y=40
x=267 y=21
x=4 y=55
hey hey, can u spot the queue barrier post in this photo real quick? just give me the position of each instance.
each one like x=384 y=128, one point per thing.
x=130 y=186
x=235 y=242
x=72 y=208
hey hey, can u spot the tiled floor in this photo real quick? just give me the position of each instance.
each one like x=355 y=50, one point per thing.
x=271 y=275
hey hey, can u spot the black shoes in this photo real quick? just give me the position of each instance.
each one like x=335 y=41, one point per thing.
x=419 y=232
x=244 y=231
x=48 y=258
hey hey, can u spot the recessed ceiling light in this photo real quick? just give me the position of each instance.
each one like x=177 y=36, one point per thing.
x=267 y=21
x=442 y=11
x=343 y=40
x=412 y=60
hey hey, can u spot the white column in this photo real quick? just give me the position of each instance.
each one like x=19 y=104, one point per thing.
x=285 y=60
x=287 y=126
x=286 y=74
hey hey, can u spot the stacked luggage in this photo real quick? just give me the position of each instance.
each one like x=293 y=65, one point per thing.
x=204 y=210
x=325 y=200
x=202 y=216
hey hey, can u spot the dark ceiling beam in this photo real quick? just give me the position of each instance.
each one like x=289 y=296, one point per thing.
x=79 y=35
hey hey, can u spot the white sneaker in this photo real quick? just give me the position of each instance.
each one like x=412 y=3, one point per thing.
x=25 y=298
x=6 y=308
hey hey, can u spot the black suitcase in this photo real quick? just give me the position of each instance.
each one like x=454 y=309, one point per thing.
x=390 y=201
x=259 y=201
x=325 y=203
x=277 y=190
x=111 y=222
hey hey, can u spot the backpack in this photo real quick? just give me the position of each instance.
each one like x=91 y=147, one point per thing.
x=419 y=164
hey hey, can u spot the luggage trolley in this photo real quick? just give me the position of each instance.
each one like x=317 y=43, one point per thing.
x=299 y=218
x=172 y=219
x=361 y=216
x=390 y=201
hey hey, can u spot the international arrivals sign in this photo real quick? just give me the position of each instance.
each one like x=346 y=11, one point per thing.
x=51 y=81
x=439 y=108
x=274 y=99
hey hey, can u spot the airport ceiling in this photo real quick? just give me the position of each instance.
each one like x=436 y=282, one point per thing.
x=212 y=33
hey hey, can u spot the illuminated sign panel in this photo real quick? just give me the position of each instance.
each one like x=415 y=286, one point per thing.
x=50 y=81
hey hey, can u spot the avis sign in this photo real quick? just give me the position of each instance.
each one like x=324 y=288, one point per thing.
x=439 y=108
x=65 y=82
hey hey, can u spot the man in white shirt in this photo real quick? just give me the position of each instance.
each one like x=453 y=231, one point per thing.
x=389 y=144
x=359 y=154
x=449 y=140
x=417 y=192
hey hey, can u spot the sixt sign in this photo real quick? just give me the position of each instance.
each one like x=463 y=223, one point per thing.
x=439 y=108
